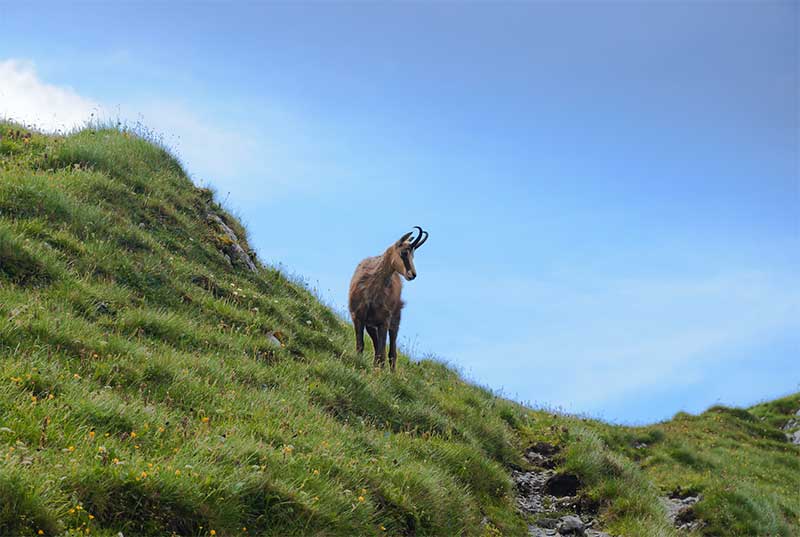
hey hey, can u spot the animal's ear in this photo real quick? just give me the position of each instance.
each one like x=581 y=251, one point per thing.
x=404 y=238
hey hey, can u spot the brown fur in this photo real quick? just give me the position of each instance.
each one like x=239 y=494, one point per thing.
x=374 y=300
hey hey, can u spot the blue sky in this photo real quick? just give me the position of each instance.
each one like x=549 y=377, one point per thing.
x=611 y=188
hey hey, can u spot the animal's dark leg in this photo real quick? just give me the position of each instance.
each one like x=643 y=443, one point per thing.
x=380 y=347
x=392 y=347
x=373 y=334
x=380 y=350
x=394 y=328
x=359 y=326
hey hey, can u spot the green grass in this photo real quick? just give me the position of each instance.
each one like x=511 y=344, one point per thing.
x=738 y=460
x=140 y=391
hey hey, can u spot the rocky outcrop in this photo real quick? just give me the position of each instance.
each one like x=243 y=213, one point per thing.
x=792 y=429
x=229 y=244
x=680 y=510
x=543 y=491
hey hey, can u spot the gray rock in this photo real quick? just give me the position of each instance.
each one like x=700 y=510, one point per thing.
x=571 y=525
x=595 y=533
x=680 y=511
x=233 y=250
x=549 y=523
x=794 y=437
x=793 y=423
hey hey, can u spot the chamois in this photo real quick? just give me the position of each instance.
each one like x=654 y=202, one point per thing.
x=374 y=300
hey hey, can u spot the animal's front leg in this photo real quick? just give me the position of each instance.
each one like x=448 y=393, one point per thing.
x=380 y=349
x=392 y=348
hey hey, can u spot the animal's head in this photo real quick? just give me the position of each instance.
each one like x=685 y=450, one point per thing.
x=403 y=253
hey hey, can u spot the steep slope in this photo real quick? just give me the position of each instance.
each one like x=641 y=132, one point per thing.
x=152 y=383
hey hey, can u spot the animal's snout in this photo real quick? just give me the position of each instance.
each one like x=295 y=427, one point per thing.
x=411 y=275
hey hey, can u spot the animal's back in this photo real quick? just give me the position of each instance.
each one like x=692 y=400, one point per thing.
x=360 y=281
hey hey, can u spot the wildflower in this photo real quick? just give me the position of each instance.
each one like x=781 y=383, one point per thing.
x=71 y=511
x=160 y=429
x=136 y=446
x=382 y=528
x=71 y=448
x=133 y=434
x=204 y=419
x=143 y=475
x=287 y=450
x=115 y=460
x=76 y=376
x=91 y=435
x=212 y=532
x=316 y=472
x=177 y=472
x=40 y=532
x=33 y=399
x=360 y=499
x=51 y=396
x=91 y=517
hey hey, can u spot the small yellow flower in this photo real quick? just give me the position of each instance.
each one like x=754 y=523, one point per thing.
x=115 y=461
x=71 y=448
x=91 y=517
x=360 y=499
x=40 y=532
x=316 y=472
x=136 y=446
x=76 y=376
x=133 y=434
x=71 y=511
x=143 y=475
x=212 y=532
x=288 y=449
x=91 y=434
x=78 y=507
x=177 y=472
x=382 y=528
x=51 y=396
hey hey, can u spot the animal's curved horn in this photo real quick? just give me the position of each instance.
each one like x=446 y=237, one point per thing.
x=416 y=244
x=421 y=242
x=405 y=237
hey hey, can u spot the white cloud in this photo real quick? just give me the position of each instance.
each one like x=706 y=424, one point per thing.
x=238 y=159
x=25 y=98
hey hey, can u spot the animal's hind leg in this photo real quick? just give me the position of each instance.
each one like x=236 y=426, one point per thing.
x=359 y=326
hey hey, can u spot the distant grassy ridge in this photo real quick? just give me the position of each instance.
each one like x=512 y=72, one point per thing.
x=141 y=390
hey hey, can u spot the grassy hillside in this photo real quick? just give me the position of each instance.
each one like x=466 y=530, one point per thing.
x=148 y=385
